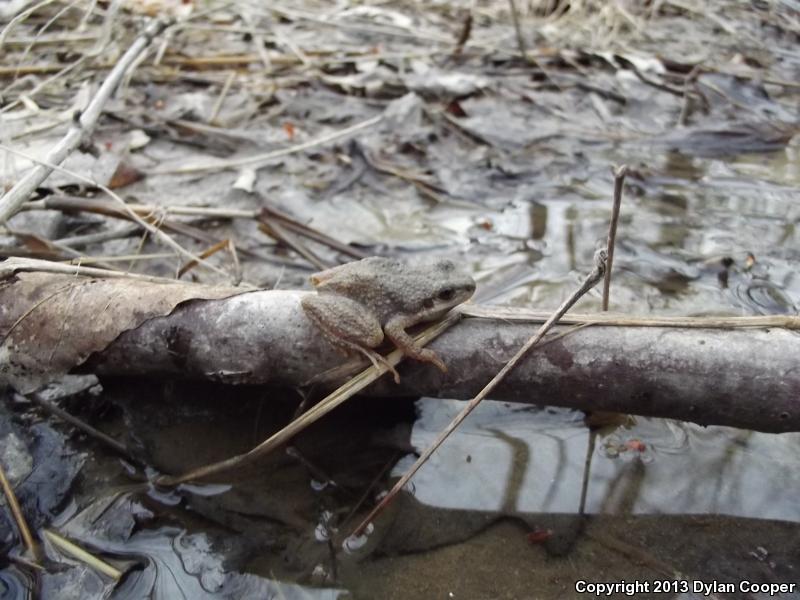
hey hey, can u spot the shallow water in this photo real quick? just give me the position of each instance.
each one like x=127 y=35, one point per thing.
x=514 y=459
x=520 y=502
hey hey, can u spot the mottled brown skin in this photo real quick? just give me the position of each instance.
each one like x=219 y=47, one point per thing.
x=357 y=303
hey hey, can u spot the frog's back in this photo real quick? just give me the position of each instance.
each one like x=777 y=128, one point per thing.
x=344 y=277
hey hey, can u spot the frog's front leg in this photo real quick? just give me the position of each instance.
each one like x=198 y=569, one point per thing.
x=347 y=326
x=396 y=330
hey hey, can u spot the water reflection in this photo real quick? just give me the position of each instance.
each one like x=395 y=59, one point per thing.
x=512 y=459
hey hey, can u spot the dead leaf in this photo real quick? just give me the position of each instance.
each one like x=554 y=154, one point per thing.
x=51 y=323
x=125 y=174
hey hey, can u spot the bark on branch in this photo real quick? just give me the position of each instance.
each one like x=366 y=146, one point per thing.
x=746 y=378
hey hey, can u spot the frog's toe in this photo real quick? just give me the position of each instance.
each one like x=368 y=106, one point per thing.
x=377 y=360
x=433 y=358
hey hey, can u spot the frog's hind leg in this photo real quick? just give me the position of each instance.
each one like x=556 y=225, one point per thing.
x=347 y=326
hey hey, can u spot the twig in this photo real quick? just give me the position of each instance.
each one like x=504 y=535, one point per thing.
x=55 y=249
x=83 y=125
x=107 y=440
x=363 y=498
x=75 y=204
x=590 y=281
x=221 y=98
x=264 y=214
x=58 y=39
x=70 y=203
x=587 y=466
x=625 y=63
x=96 y=238
x=26 y=564
x=19 y=518
x=220 y=245
x=95 y=260
x=13 y=265
x=466 y=30
x=19 y=19
x=339 y=396
x=294 y=48
x=154 y=231
x=257 y=39
x=520 y=315
x=74 y=551
x=619 y=181
x=58 y=71
x=688 y=81
x=276 y=216
x=219 y=165
x=385 y=30
x=278 y=233
x=518 y=30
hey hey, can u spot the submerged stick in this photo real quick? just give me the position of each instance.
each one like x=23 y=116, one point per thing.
x=92 y=432
x=590 y=281
x=82 y=555
x=19 y=518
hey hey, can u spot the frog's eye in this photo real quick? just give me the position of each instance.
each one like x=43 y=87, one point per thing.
x=447 y=294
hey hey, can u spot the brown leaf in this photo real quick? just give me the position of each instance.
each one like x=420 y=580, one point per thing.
x=124 y=175
x=54 y=322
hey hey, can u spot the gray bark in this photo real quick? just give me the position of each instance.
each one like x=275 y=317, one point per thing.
x=747 y=378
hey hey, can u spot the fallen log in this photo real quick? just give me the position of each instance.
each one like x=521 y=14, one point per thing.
x=746 y=378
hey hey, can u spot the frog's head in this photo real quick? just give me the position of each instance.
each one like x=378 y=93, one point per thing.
x=448 y=287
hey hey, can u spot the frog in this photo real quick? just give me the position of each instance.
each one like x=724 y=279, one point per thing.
x=358 y=304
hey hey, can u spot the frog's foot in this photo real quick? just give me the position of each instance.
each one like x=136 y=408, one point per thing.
x=430 y=356
x=406 y=343
x=376 y=358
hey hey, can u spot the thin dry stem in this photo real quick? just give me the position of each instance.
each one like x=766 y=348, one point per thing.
x=518 y=30
x=11 y=202
x=521 y=315
x=221 y=98
x=154 y=231
x=253 y=161
x=82 y=555
x=591 y=281
x=19 y=518
x=619 y=181
x=13 y=265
